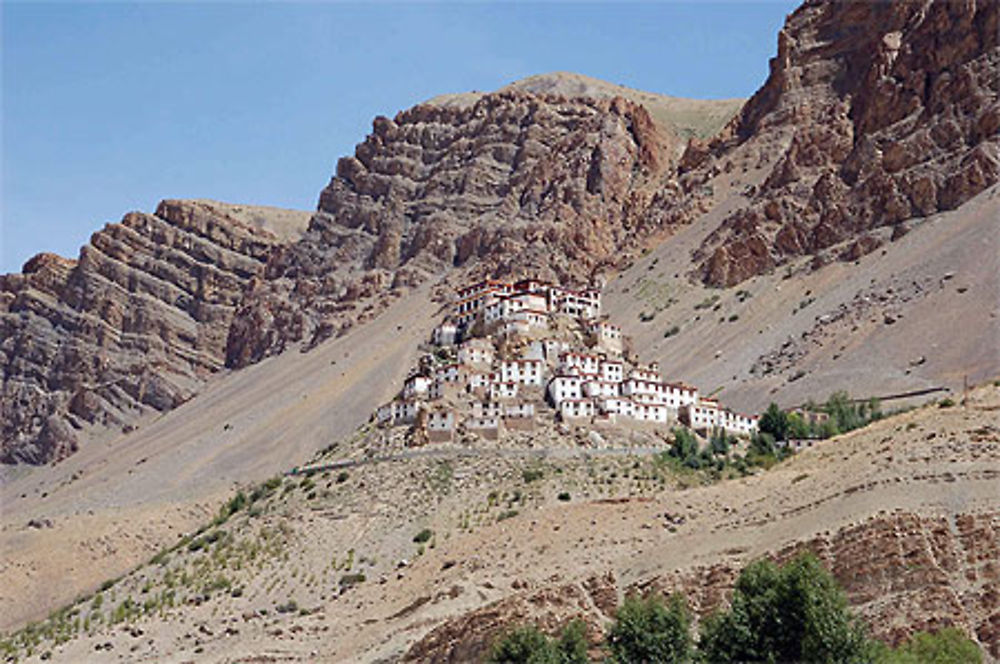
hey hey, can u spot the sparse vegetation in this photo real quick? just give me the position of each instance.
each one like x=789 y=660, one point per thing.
x=707 y=303
x=671 y=331
x=423 y=536
x=530 y=475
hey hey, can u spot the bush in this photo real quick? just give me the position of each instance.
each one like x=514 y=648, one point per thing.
x=349 y=580
x=342 y=476
x=949 y=646
x=793 y=613
x=531 y=475
x=529 y=645
x=648 y=630
x=720 y=442
x=685 y=446
x=671 y=331
x=946 y=403
x=564 y=496
x=774 y=421
x=423 y=536
x=291 y=606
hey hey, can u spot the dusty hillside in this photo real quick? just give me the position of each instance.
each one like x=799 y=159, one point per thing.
x=921 y=312
x=120 y=499
x=905 y=512
x=561 y=177
x=132 y=327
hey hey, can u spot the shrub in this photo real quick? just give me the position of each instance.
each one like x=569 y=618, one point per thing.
x=521 y=646
x=948 y=646
x=671 y=331
x=720 y=441
x=793 y=613
x=946 y=403
x=349 y=580
x=685 y=446
x=564 y=496
x=774 y=421
x=423 y=536
x=532 y=475
x=529 y=645
x=342 y=476
x=291 y=606
x=649 y=630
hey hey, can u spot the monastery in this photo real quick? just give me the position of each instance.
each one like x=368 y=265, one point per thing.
x=509 y=353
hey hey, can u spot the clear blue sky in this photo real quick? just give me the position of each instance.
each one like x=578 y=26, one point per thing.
x=111 y=107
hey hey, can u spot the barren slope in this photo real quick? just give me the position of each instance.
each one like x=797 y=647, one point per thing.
x=116 y=502
x=923 y=311
x=905 y=512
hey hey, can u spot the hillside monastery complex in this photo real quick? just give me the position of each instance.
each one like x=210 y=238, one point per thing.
x=510 y=354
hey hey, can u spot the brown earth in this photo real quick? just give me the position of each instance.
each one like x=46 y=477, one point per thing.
x=515 y=182
x=904 y=512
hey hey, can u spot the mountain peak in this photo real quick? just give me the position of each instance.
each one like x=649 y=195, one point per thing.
x=701 y=118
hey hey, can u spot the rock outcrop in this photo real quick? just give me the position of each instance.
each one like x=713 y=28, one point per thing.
x=133 y=326
x=512 y=183
x=902 y=573
x=873 y=114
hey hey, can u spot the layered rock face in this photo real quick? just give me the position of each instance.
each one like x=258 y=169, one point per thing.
x=878 y=113
x=902 y=573
x=512 y=183
x=134 y=325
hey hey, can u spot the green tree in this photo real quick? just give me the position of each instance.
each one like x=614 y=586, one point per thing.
x=948 y=646
x=719 y=442
x=523 y=645
x=762 y=444
x=774 y=421
x=529 y=645
x=572 y=643
x=685 y=446
x=797 y=427
x=793 y=613
x=650 y=631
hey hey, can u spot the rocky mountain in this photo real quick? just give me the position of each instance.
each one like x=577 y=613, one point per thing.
x=511 y=182
x=131 y=327
x=873 y=114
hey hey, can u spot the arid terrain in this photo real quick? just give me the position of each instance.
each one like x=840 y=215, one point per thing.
x=820 y=236
x=904 y=512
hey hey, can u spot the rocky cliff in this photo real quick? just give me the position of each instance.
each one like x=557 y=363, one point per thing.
x=511 y=182
x=133 y=326
x=873 y=114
